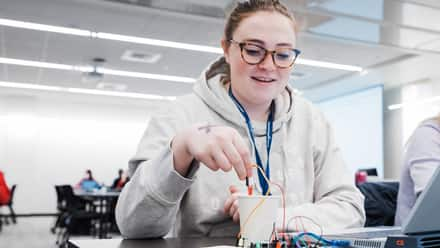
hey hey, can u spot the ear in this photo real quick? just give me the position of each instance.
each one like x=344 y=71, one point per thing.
x=225 y=46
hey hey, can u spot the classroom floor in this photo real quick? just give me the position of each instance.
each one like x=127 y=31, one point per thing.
x=31 y=232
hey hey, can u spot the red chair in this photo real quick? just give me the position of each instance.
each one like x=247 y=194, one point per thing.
x=9 y=204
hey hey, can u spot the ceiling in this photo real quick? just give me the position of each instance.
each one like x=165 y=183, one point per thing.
x=394 y=41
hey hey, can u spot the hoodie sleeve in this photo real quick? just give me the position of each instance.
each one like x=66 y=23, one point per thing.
x=149 y=202
x=423 y=155
x=338 y=204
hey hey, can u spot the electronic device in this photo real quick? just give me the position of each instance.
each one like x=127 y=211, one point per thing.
x=421 y=228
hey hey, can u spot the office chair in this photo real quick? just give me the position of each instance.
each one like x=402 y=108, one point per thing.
x=9 y=204
x=370 y=171
x=61 y=207
x=380 y=202
x=76 y=218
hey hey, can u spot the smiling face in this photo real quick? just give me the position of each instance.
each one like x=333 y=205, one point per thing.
x=256 y=85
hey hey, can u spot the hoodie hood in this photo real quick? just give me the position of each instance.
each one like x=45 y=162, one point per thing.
x=215 y=94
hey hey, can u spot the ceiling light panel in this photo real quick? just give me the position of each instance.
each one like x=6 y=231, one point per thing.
x=16 y=85
x=99 y=70
x=155 y=42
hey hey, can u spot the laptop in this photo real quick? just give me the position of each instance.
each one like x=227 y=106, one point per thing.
x=424 y=218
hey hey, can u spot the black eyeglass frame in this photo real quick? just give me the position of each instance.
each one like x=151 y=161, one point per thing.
x=272 y=53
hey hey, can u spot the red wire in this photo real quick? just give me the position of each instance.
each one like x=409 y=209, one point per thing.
x=283 y=198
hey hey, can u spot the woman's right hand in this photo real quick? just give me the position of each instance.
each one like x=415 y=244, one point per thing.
x=218 y=147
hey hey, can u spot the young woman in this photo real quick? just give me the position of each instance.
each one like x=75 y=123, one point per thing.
x=421 y=158
x=88 y=182
x=242 y=112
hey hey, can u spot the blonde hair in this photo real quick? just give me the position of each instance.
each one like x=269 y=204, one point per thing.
x=241 y=11
x=433 y=118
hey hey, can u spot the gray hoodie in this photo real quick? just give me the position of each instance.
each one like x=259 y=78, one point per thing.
x=422 y=157
x=304 y=159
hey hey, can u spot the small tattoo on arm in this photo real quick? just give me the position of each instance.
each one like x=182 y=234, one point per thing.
x=206 y=128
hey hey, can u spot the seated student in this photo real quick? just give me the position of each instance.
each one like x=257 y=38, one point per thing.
x=120 y=181
x=421 y=158
x=88 y=183
x=242 y=111
x=5 y=193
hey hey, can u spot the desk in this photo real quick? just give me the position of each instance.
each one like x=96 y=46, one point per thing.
x=151 y=243
x=104 y=198
x=97 y=194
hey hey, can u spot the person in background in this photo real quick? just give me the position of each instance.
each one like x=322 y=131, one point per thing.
x=120 y=181
x=242 y=111
x=5 y=193
x=88 y=183
x=421 y=158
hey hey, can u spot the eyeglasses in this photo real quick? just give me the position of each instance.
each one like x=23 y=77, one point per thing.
x=254 y=54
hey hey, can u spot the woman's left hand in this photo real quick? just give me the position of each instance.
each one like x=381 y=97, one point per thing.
x=231 y=204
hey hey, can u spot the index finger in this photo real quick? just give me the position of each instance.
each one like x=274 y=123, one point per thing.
x=244 y=152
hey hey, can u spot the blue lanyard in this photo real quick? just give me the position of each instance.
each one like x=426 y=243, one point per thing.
x=269 y=128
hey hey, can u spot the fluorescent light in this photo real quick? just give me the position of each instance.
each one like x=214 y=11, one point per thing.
x=120 y=94
x=297 y=92
x=363 y=72
x=155 y=42
x=412 y=103
x=100 y=70
x=329 y=65
x=43 y=27
x=84 y=91
x=35 y=64
x=109 y=36
x=162 y=43
x=83 y=68
x=30 y=86
x=145 y=75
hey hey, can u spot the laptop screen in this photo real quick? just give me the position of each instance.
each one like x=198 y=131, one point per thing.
x=425 y=217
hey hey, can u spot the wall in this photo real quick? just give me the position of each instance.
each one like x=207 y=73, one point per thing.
x=393 y=135
x=46 y=141
x=400 y=123
x=357 y=121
